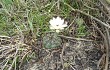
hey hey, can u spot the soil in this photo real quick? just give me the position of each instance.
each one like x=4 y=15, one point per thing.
x=72 y=55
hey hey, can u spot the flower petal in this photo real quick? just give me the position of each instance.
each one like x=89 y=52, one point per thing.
x=57 y=23
x=58 y=18
x=52 y=27
x=57 y=31
x=64 y=25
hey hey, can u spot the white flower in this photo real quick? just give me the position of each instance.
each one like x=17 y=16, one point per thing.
x=57 y=24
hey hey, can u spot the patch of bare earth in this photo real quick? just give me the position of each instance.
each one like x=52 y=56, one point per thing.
x=72 y=55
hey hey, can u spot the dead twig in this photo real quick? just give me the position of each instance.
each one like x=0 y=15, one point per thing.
x=103 y=2
x=22 y=60
x=61 y=55
x=6 y=62
x=107 y=49
x=2 y=36
x=98 y=64
x=106 y=45
x=71 y=66
x=79 y=39
x=92 y=17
